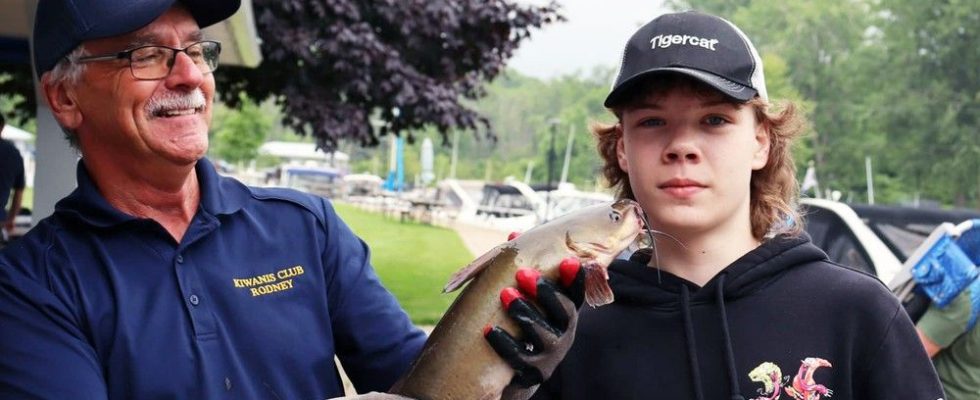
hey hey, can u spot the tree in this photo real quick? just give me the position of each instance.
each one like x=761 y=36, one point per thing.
x=892 y=79
x=933 y=115
x=17 y=100
x=340 y=67
x=239 y=133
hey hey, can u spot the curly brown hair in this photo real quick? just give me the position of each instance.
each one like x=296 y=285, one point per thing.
x=774 y=188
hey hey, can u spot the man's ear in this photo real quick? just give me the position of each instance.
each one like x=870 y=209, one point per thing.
x=621 y=149
x=762 y=139
x=63 y=102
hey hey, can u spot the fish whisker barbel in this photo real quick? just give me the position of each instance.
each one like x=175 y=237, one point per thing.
x=653 y=242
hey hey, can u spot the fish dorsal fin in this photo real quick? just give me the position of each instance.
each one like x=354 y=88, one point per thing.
x=471 y=270
x=597 y=290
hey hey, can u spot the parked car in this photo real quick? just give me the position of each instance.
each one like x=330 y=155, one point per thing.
x=878 y=239
x=873 y=238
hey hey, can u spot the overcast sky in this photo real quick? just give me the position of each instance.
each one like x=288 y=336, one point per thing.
x=594 y=34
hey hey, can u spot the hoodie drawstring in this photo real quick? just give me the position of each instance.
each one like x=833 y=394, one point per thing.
x=692 y=352
x=729 y=351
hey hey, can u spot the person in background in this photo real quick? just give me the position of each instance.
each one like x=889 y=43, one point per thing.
x=951 y=339
x=11 y=182
x=158 y=278
x=733 y=302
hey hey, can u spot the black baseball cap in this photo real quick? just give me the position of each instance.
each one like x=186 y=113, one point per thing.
x=61 y=25
x=701 y=46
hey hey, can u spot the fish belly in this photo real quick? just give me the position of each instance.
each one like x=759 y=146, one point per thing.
x=457 y=362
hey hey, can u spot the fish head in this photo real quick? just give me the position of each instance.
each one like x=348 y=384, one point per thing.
x=599 y=233
x=595 y=235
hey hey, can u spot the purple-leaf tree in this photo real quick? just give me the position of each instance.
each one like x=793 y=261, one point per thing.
x=360 y=69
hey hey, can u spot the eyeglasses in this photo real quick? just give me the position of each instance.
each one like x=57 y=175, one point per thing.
x=156 y=62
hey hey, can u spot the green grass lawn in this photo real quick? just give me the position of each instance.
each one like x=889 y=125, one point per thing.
x=413 y=260
x=26 y=201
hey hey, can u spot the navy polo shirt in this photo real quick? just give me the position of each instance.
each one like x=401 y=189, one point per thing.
x=11 y=173
x=264 y=289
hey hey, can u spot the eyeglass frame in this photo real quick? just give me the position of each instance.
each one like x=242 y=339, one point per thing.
x=127 y=55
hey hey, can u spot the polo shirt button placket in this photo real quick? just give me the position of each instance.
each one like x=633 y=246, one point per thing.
x=180 y=259
x=194 y=299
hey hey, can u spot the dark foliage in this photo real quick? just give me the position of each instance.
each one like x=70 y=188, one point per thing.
x=19 y=81
x=337 y=65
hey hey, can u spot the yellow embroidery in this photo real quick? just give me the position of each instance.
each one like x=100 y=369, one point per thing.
x=269 y=283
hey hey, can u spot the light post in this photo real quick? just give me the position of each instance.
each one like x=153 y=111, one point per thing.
x=551 y=168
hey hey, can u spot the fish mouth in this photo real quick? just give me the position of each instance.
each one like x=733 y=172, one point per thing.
x=599 y=246
x=644 y=222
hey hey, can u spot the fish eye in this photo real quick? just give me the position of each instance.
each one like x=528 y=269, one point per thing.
x=615 y=216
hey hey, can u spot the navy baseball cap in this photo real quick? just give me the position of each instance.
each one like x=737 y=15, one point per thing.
x=701 y=46
x=61 y=25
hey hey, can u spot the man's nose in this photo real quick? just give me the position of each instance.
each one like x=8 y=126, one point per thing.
x=184 y=73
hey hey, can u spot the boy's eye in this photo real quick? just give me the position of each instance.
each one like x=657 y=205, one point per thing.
x=653 y=122
x=715 y=120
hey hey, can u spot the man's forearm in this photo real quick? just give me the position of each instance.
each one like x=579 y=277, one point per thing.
x=15 y=203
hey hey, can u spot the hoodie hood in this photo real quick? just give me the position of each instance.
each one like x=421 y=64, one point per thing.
x=634 y=282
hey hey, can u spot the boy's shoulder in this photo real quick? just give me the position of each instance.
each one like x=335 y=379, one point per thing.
x=839 y=283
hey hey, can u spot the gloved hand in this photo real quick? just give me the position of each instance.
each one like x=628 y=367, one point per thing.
x=374 y=396
x=547 y=336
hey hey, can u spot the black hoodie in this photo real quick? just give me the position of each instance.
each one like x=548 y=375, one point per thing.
x=791 y=325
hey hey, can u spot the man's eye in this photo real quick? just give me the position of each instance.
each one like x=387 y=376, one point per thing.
x=149 y=56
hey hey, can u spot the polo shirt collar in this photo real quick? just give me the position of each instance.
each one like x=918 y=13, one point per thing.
x=219 y=195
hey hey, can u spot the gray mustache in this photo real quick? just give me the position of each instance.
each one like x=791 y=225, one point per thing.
x=175 y=101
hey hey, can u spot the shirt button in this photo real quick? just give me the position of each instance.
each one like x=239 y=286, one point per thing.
x=194 y=299
x=180 y=259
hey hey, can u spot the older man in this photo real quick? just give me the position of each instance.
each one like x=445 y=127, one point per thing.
x=157 y=278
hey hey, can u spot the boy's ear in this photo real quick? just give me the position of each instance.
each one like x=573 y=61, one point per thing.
x=64 y=105
x=621 y=149
x=762 y=139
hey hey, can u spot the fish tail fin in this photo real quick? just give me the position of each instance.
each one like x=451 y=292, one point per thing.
x=471 y=270
x=597 y=290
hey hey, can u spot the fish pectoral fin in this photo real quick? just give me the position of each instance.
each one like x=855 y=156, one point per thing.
x=471 y=270
x=597 y=290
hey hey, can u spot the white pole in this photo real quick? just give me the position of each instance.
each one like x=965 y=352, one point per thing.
x=871 y=187
x=527 y=173
x=568 y=154
x=452 y=163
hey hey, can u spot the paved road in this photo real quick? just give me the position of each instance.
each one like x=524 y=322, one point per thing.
x=478 y=239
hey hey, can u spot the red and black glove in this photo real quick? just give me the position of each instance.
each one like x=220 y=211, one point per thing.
x=548 y=332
